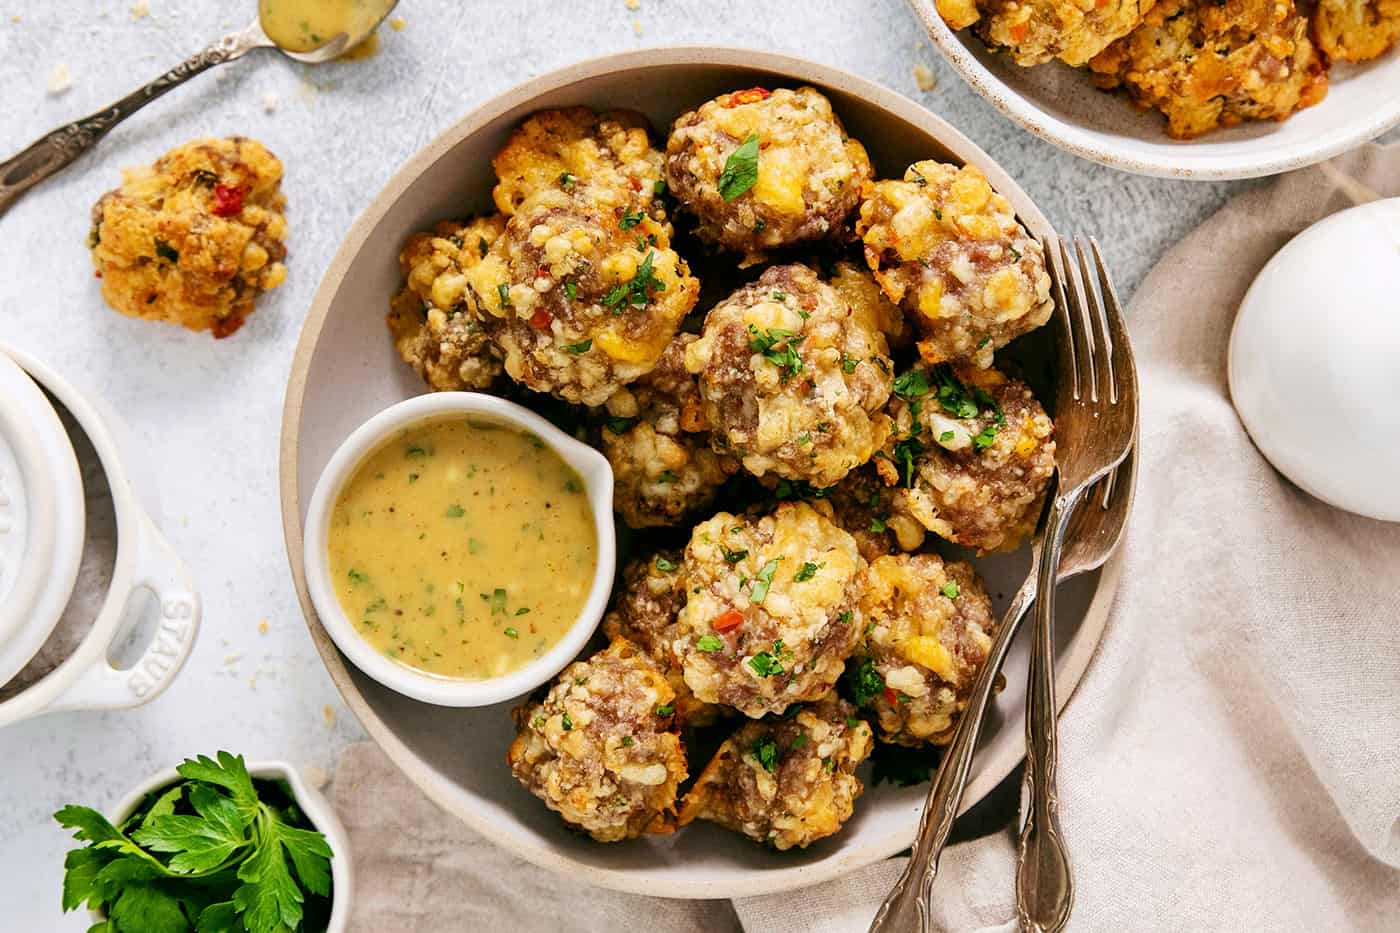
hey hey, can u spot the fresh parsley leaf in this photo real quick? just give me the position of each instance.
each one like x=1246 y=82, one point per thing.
x=580 y=347
x=740 y=169
x=571 y=290
x=636 y=292
x=766 y=751
x=665 y=709
x=709 y=644
x=566 y=722
x=807 y=571
x=863 y=681
x=764 y=580
x=630 y=220
x=953 y=395
x=906 y=451
x=149 y=909
x=229 y=772
x=848 y=364
x=945 y=437
x=779 y=347
x=985 y=438
x=877 y=524
x=911 y=385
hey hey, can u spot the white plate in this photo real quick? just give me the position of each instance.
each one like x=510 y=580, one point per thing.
x=345 y=369
x=1060 y=105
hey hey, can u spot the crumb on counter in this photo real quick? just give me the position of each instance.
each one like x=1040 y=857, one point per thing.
x=925 y=78
x=329 y=714
x=396 y=24
x=262 y=627
x=140 y=9
x=637 y=27
x=634 y=4
x=60 y=79
x=270 y=102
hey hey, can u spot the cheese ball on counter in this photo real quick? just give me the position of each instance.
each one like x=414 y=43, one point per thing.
x=1073 y=31
x=601 y=748
x=581 y=297
x=657 y=439
x=785 y=782
x=434 y=318
x=769 y=618
x=195 y=238
x=973 y=452
x=644 y=612
x=948 y=250
x=865 y=506
x=611 y=152
x=1356 y=30
x=1207 y=64
x=793 y=378
x=928 y=631
x=764 y=169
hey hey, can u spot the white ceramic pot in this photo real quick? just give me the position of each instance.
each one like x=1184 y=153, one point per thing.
x=312 y=802
x=87 y=680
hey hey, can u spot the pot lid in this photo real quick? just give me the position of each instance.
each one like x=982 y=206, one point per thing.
x=41 y=518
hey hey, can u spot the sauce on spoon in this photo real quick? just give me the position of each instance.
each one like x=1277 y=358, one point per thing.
x=306 y=25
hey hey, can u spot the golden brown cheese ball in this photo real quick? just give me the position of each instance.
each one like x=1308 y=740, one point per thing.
x=657 y=440
x=1073 y=31
x=434 y=318
x=610 y=151
x=195 y=238
x=949 y=250
x=769 y=615
x=1356 y=30
x=865 y=506
x=764 y=169
x=858 y=289
x=928 y=631
x=793 y=378
x=601 y=749
x=785 y=782
x=973 y=452
x=644 y=612
x=1207 y=65
x=581 y=297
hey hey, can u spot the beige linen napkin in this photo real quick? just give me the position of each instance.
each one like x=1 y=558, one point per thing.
x=1231 y=760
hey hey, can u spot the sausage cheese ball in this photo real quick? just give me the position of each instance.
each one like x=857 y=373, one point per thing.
x=1073 y=31
x=580 y=297
x=657 y=441
x=762 y=169
x=858 y=289
x=1356 y=30
x=434 y=317
x=1207 y=64
x=601 y=748
x=793 y=378
x=865 y=506
x=949 y=250
x=195 y=238
x=785 y=782
x=611 y=152
x=928 y=630
x=769 y=615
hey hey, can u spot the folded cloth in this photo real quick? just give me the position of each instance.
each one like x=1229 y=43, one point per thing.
x=1231 y=760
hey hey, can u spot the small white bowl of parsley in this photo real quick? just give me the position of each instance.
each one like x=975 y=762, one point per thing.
x=212 y=846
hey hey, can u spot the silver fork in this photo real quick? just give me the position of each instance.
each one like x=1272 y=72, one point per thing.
x=1095 y=426
x=1090 y=541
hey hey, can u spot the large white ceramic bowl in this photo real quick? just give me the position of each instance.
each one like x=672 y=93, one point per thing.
x=345 y=369
x=1060 y=105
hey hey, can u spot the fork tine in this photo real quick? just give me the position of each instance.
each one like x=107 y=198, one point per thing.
x=1123 y=375
x=1065 y=339
x=1105 y=386
x=1106 y=488
x=1086 y=381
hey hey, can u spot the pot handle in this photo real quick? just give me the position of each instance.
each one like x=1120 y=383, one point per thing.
x=160 y=570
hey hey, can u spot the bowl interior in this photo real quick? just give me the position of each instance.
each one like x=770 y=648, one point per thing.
x=1060 y=104
x=346 y=369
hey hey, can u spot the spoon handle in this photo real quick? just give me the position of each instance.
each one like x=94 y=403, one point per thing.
x=52 y=152
x=1044 y=884
x=907 y=908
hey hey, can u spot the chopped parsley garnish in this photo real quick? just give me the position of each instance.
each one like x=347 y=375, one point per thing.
x=798 y=489
x=779 y=347
x=659 y=188
x=804 y=439
x=950 y=589
x=953 y=395
x=357 y=576
x=165 y=251
x=779 y=295
x=877 y=524
x=482 y=246
x=538 y=722
x=844 y=617
x=571 y=290
x=766 y=751
x=945 y=437
x=630 y=220
x=848 y=364
x=852 y=722
x=503 y=292
x=807 y=571
x=665 y=709
x=983 y=342
x=415 y=451
x=740 y=169
x=733 y=557
x=665 y=566
x=799 y=741
x=709 y=644
x=668 y=476
x=498 y=602
x=566 y=722
x=523 y=610
x=864 y=681
x=512 y=633
x=455 y=511
x=567 y=179
x=636 y=292
x=580 y=347
x=770 y=663
x=621 y=425
x=985 y=437
x=906 y=452
x=829 y=763
x=627 y=741
x=763 y=581
x=911 y=385
x=1015 y=253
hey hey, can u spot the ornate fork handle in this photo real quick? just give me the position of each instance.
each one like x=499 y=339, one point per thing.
x=906 y=909
x=52 y=152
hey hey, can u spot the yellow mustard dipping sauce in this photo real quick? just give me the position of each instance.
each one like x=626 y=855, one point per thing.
x=305 y=25
x=463 y=548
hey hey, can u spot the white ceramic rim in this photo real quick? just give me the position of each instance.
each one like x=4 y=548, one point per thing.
x=56 y=523
x=312 y=802
x=1271 y=159
x=86 y=680
x=597 y=477
x=1073 y=661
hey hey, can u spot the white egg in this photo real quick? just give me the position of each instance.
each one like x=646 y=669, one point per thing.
x=1315 y=360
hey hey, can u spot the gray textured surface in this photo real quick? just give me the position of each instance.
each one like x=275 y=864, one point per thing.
x=209 y=413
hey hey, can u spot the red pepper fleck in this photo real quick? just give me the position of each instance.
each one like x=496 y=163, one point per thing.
x=727 y=620
x=751 y=96
x=891 y=697
x=635 y=183
x=541 y=320
x=227 y=200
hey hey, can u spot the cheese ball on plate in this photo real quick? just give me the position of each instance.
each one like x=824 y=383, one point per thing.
x=195 y=238
x=785 y=782
x=581 y=297
x=928 y=631
x=1207 y=64
x=1356 y=30
x=657 y=440
x=858 y=289
x=611 y=152
x=769 y=616
x=434 y=318
x=948 y=250
x=764 y=169
x=601 y=748
x=793 y=378
x=1073 y=31
x=972 y=455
